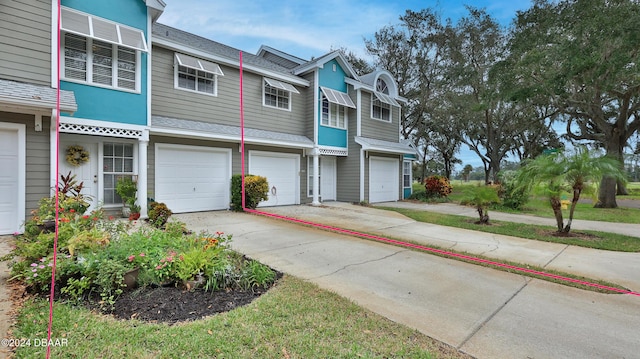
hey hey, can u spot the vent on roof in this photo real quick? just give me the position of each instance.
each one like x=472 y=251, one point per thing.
x=338 y=97
x=281 y=85
x=79 y=23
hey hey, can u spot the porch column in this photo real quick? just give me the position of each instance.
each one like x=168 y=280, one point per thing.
x=53 y=153
x=316 y=178
x=143 y=144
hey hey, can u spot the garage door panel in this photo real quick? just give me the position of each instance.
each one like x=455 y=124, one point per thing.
x=191 y=178
x=12 y=196
x=384 y=179
x=281 y=171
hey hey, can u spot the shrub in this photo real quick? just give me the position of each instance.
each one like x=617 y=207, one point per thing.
x=256 y=190
x=481 y=197
x=159 y=214
x=512 y=195
x=437 y=186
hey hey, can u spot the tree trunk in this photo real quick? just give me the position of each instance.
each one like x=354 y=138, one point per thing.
x=607 y=193
x=574 y=202
x=557 y=211
x=622 y=189
x=484 y=216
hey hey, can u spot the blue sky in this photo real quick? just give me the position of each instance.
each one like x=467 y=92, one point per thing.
x=311 y=28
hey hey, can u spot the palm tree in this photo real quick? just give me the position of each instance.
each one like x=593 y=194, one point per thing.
x=561 y=172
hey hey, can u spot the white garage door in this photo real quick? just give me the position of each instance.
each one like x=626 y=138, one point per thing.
x=384 y=179
x=12 y=177
x=282 y=172
x=192 y=178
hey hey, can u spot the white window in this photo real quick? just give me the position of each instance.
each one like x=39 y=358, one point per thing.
x=101 y=52
x=277 y=94
x=196 y=75
x=335 y=106
x=100 y=63
x=406 y=174
x=333 y=115
x=380 y=110
x=118 y=162
x=381 y=102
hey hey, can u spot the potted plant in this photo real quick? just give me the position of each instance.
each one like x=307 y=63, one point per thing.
x=127 y=189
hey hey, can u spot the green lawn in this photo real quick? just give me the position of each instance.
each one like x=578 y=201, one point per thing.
x=599 y=240
x=295 y=319
x=540 y=207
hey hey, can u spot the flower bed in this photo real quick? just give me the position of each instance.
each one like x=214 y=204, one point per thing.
x=95 y=254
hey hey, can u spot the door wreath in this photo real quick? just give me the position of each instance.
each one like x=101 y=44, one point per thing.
x=77 y=155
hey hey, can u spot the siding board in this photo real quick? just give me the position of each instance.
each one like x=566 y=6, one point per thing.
x=25 y=53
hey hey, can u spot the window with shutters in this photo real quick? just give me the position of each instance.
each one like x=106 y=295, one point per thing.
x=100 y=63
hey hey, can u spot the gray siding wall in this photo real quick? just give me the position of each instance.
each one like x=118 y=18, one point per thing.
x=224 y=108
x=381 y=130
x=236 y=162
x=309 y=103
x=348 y=168
x=37 y=161
x=25 y=43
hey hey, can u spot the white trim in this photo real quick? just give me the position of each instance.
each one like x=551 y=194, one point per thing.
x=20 y=130
x=362 y=164
x=369 y=88
x=83 y=24
x=149 y=66
x=227 y=138
x=230 y=62
x=102 y=128
x=333 y=151
x=359 y=112
x=410 y=162
x=176 y=81
x=317 y=108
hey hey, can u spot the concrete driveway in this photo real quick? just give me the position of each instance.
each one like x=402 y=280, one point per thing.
x=484 y=312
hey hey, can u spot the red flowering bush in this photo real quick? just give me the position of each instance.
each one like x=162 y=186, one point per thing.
x=437 y=186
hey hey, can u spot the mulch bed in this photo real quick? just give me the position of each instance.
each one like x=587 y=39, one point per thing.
x=172 y=305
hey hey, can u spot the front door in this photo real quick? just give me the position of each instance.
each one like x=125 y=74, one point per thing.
x=328 y=178
x=87 y=172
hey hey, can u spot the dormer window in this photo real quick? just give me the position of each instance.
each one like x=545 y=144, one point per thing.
x=381 y=102
x=277 y=94
x=197 y=75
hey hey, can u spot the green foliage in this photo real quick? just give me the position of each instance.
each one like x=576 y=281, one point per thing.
x=559 y=173
x=482 y=197
x=511 y=195
x=127 y=189
x=110 y=280
x=437 y=186
x=159 y=214
x=256 y=190
x=257 y=274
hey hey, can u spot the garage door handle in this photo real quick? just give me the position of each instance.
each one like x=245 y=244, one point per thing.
x=194 y=189
x=274 y=190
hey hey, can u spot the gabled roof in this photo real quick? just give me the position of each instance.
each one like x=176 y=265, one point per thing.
x=168 y=36
x=280 y=57
x=319 y=63
x=161 y=124
x=13 y=93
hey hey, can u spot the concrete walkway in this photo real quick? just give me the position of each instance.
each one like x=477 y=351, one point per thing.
x=484 y=312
